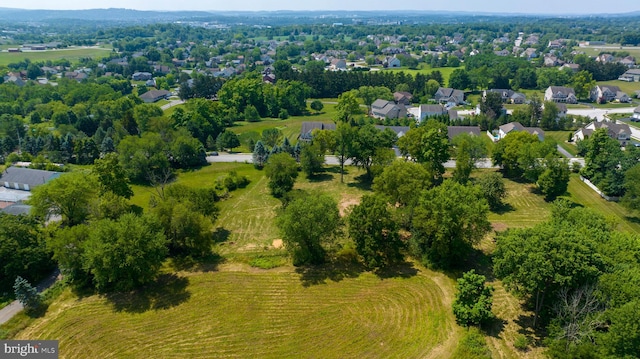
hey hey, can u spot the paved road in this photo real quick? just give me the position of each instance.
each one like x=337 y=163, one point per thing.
x=330 y=160
x=171 y=104
x=15 y=307
x=599 y=113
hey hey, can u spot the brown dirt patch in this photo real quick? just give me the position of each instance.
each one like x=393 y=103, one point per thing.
x=277 y=243
x=346 y=202
x=499 y=227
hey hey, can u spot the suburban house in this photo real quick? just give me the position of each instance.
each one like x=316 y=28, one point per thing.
x=506 y=129
x=632 y=75
x=508 y=96
x=306 y=133
x=423 y=111
x=154 y=95
x=636 y=114
x=618 y=131
x=449 y=96
x=453 y=131
x=403 y=97
x=562 y=110
x=141 y=76
x=338 y=65
x=607 y=93
x=572 y=67
x=391 y=62
x=560 y=94
x=387 y=109
x=25 y=178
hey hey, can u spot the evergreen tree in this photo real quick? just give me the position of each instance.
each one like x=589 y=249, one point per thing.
x=260 y=155
x=26 y=294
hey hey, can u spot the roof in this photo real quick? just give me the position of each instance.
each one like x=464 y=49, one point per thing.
x=400 y=94
x=637 y=110
x=379 y=103
x=511 y=126
x=17 y=209
x=154 y=94
x=611 y=88
x=566 y=90
x=27 y=176
x=309 y=126
x=399 y=130
x=453 y=131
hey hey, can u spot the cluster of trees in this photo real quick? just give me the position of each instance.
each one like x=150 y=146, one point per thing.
x=488 y=70
x=333 y=83
x=608 y=166
x=102 y=240
x=522 y=155
x=580 y=277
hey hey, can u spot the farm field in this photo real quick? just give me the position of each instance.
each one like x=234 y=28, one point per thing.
x=426 y=69
x=596 y=50
x=71 y=54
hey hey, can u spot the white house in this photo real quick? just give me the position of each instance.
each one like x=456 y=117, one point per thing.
x=617 y=131
x=636 y=114
x=560 y=94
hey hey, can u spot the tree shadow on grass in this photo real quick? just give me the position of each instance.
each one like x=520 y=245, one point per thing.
x=168 y=291
x=320 y=177
x=494 y=327
x=208 y=263
x=400 y=270
x=221 y=234
x=503 y=209
x=334 y=271
x=363 y=182
x=632 y=219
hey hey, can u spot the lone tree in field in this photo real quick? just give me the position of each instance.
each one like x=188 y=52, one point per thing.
x=305 y=224
x=260 y=155
x=493 y=189
x=282 y=171
x=473 y=302
x=316 y=105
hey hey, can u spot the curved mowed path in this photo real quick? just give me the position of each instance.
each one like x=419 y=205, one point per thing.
x=262 y=314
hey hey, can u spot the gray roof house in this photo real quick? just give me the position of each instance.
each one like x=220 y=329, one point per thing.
x=560 y=94
x=306 y=133
x=506 y=129
x=449 y=95
x=636 y=114
x=617 y=131
x=604 y=93
x=453 y=131
x=632 y=75
x=154 y=95
x=387 y=109
x=25 y=178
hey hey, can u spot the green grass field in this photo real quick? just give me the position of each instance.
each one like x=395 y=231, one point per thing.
x=561 y=137
x=264 y=314
x=524 y=207
x=594 y=51
x=71 y=54
x=426 y=69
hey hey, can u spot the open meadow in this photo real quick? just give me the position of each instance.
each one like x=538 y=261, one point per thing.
x=73 y=54
x=247 y=300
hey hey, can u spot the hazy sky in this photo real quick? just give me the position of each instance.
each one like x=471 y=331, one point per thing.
x=526 y=6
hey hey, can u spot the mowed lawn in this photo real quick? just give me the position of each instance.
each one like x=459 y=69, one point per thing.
x=265 y=314
x=561 y=137
x=71 y=54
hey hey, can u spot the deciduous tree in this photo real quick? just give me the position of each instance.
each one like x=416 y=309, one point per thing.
x=474 y=300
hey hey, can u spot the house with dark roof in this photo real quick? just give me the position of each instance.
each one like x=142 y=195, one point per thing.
x=154 y=95
x=387 y=109
x=560 y=94
x=449 y=96
x=306 y=133
x=617 y=131
x=604 y=93
x=453 y=131
x=403 y=97
x=506 y=129
x=25 y=178
x=632 y=75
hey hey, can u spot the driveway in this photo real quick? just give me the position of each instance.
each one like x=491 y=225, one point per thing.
x=15 y=307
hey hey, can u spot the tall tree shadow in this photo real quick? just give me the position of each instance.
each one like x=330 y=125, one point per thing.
x=168 y=291
x=334 y=271
x=320 y=177
x=400 y=270
x=208 y=263
x=221 y=234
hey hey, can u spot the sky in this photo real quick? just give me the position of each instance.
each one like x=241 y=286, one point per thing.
x=509 y=6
